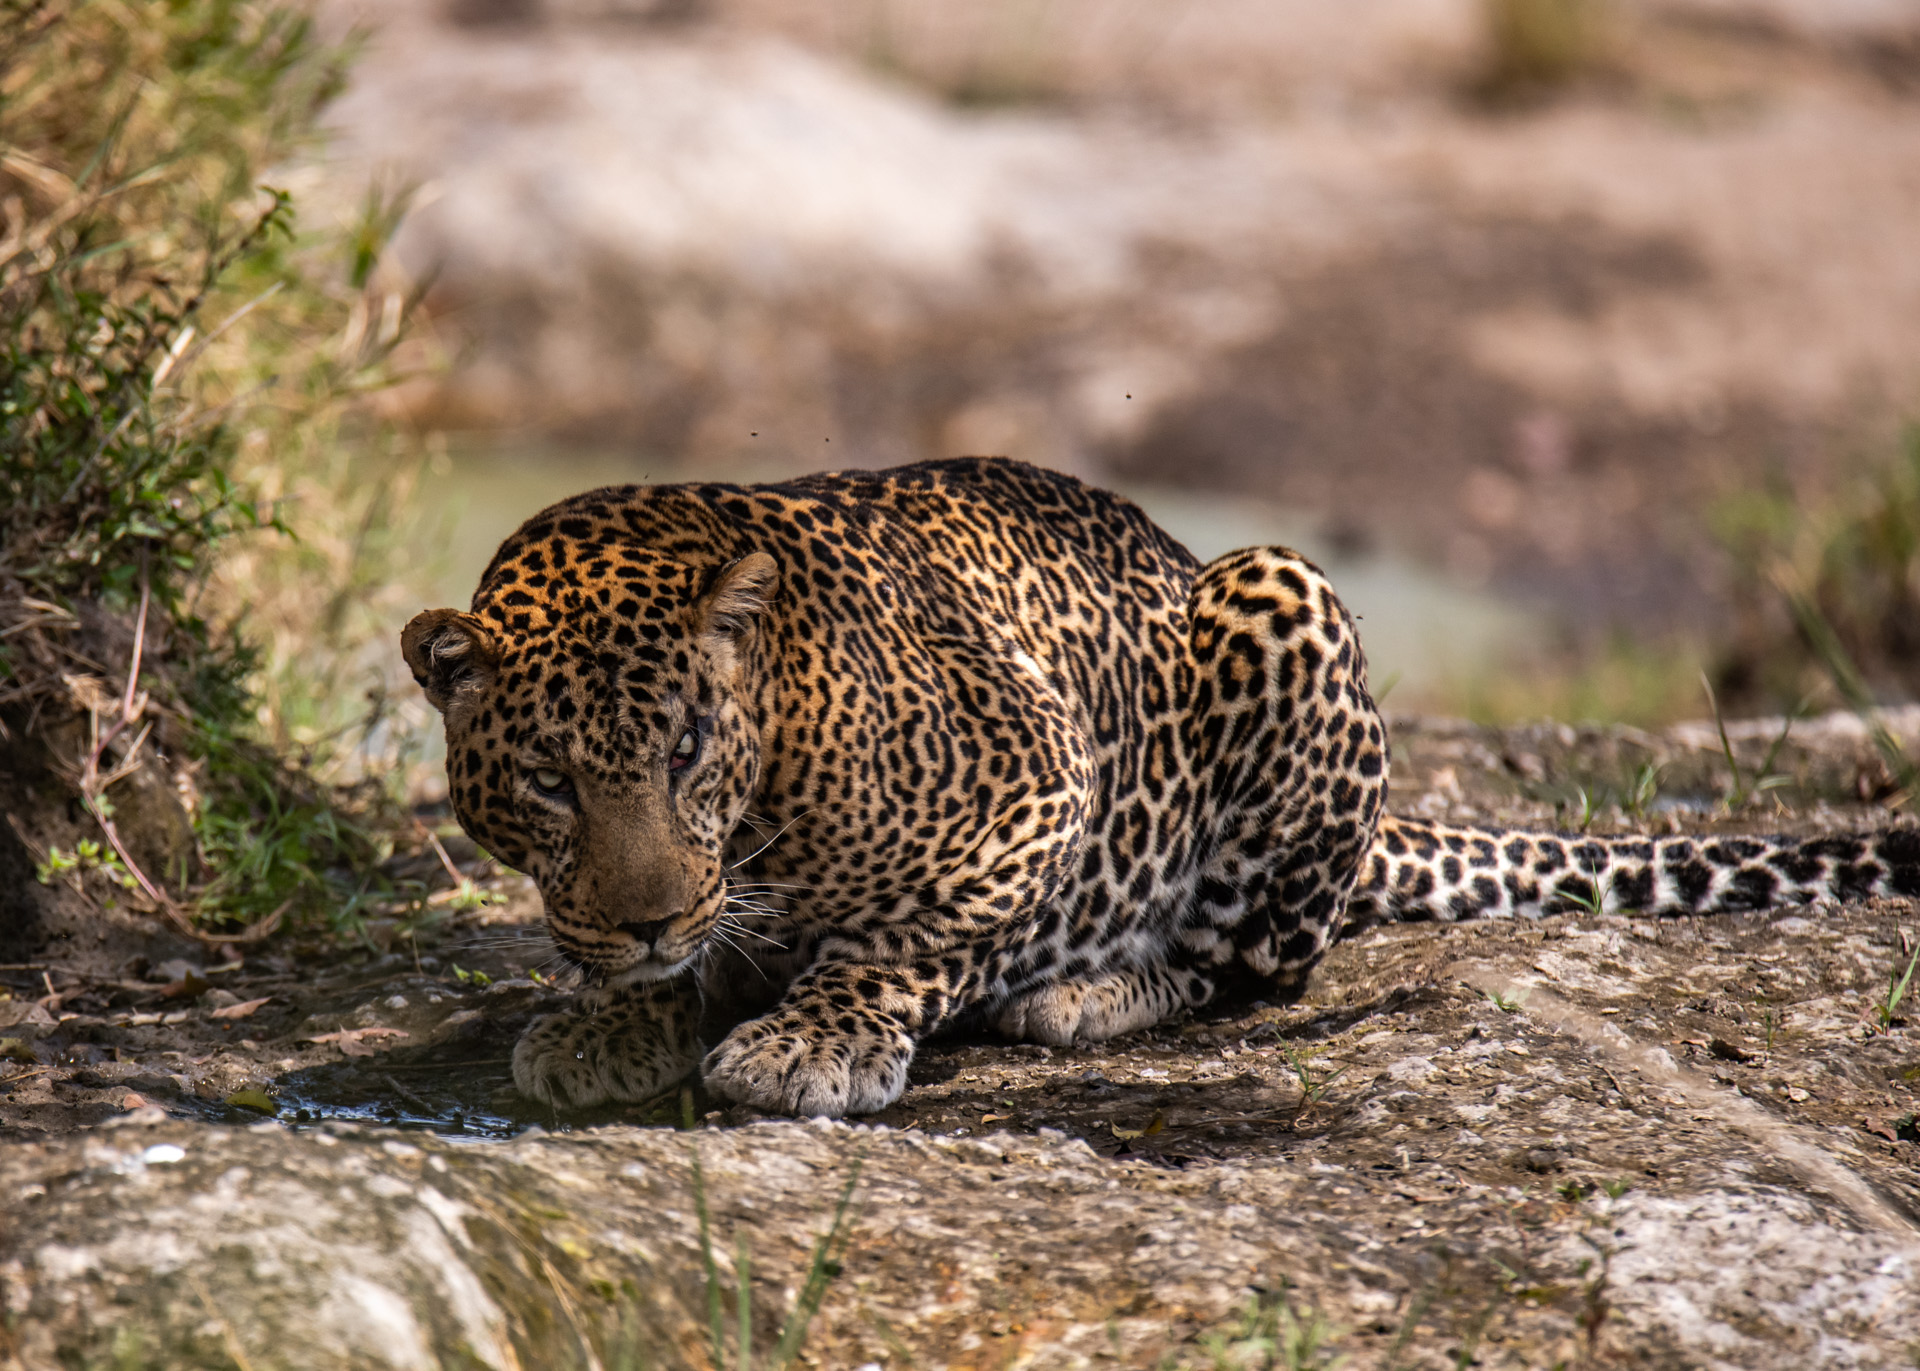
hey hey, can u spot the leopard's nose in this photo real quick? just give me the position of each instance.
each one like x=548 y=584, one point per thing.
x=646 y=932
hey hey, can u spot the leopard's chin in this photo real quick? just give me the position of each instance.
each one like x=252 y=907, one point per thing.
x=649 y=970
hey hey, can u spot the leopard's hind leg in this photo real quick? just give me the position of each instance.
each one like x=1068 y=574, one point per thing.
x=1289 y=757
x=1100 y=1006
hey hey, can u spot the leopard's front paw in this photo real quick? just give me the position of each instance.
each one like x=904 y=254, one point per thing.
x=788 y=1063
x=609 y=1045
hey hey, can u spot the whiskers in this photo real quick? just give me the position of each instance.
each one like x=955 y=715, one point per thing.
x=749 y=902
x=758 y=825
x=723 y=933
x=731 y=924
x=745 y=900
x=558 y=965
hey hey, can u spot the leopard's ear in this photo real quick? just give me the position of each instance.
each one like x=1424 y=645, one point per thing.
x=451 y=655
x=738 y=596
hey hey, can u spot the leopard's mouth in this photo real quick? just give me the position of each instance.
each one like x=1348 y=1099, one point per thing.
x=628 y=954
x=650 y=970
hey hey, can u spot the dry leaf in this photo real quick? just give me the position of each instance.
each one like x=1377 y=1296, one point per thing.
x=1154 y=1125
x=189 y=987
x=351 y=1040
x=15 y=1013
x=239 y=1011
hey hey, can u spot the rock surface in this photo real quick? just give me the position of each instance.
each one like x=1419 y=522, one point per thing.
x=1593 y=1141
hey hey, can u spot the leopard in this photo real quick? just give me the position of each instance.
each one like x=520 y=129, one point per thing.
x=807 y=771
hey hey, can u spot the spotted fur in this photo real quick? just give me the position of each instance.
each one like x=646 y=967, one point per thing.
x=804 y=771
x=1420 y=871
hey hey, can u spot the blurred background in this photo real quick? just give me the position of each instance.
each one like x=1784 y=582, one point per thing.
x=1575 y=337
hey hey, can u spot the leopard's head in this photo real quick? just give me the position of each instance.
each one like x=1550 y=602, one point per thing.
x=602 y=735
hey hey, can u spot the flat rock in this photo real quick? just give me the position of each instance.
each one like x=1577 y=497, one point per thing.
x=1576 y=1141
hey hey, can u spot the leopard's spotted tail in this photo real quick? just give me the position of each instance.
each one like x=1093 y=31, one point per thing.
x=1420 y=871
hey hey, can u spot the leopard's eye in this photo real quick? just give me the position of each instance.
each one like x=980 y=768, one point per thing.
x=550 y=782
x=685 y=750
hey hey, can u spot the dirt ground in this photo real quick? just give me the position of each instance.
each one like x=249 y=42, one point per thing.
x=1578 y=1141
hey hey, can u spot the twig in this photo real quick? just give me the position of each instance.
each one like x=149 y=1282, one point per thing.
x=227 y=1335
x=440 y=851
x=410 y=1097
x=1625 y=1098
x=139 y=646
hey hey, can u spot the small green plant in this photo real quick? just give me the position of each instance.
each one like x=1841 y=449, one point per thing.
x=1272 y=1334
x=1591 y=803
x=87 y=856
x=1417 y=1307
x=1898 y=981
x=1508 y=1001
x=1746 y=788
x=1770 y=1019
x=1828 y=595
x=1642 y=790
x=1314 y=1080
x=1595 y=1305
x=479 y=980
x=829 y=1252
x=1585 y=894
x=469 y=895
x=1614 y=1189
